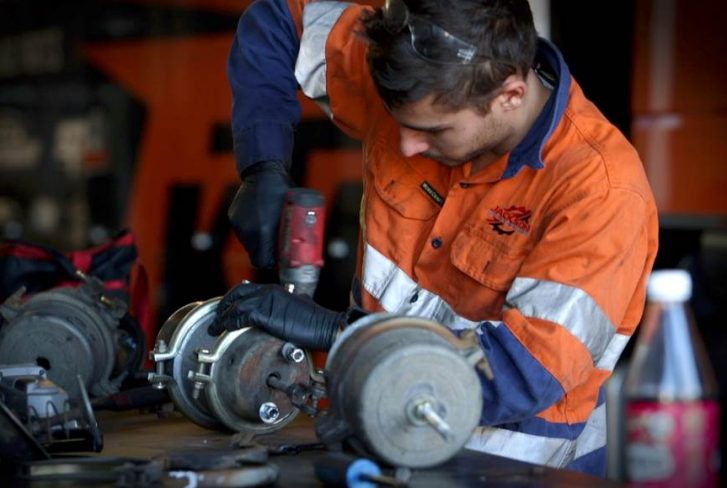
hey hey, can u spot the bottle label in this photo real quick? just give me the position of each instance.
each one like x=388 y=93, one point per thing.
x=673 y=444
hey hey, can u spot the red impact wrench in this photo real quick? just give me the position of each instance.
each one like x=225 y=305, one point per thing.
x=301 y=240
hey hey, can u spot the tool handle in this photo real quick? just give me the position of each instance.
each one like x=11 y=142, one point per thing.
x=301 y=237
x=337 y=469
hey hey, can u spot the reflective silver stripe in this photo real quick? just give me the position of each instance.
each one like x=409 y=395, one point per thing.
x=398 y=293
x=594 y=435
x=613 y=352
x=567 y=306
x=550 y=451
x=310 y=67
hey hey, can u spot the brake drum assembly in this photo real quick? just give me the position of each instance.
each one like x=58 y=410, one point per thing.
x=223 y=382
x=402 y=389
x=69 y=332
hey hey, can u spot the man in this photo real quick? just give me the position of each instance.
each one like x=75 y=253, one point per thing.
x=496 y=198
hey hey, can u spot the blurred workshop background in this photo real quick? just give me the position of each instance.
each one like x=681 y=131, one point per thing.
x=115 y=115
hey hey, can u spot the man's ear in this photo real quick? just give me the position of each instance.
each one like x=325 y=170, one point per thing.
x=512 y=93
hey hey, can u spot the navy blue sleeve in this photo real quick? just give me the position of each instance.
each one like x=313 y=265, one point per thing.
x=260 y=70
x=522 y=387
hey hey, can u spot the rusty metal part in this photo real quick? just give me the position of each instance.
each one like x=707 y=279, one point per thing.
x=222 y=382
x=237 y=383
x=303 y=396
x=402 y=389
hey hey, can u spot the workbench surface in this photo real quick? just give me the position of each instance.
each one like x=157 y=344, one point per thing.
x=147 y=435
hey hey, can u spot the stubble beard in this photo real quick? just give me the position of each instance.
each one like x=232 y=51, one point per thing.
x=454 y=162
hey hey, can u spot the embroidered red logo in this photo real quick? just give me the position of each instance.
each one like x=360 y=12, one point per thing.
x=506 y=221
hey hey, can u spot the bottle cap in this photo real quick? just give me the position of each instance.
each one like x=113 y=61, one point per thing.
x=669 y=285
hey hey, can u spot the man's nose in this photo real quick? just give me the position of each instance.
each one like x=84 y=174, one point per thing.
x=412 y=142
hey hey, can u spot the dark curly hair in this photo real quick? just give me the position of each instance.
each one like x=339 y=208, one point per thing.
x=502 y=31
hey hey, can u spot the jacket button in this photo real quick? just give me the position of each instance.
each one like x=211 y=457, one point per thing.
x=437 y=242
x=414 y=297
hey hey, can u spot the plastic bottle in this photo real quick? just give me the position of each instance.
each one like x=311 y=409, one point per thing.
x=672 y=406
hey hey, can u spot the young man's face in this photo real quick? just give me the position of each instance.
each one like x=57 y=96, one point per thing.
x=452 y=138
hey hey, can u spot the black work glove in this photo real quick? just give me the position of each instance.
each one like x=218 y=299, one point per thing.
x=294 y=318
x=255 y=211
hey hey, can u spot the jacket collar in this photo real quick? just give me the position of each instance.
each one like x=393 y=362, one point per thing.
x=549 y=63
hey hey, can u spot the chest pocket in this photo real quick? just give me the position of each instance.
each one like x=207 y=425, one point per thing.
x=398 y=185
x=489 y=261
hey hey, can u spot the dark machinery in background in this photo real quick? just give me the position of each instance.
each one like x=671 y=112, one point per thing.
x=58 y=349
x=72 y=332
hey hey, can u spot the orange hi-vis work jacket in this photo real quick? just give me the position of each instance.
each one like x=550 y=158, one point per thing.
x=545 y=253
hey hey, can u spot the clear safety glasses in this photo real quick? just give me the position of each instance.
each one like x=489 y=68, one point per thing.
x=428 y=40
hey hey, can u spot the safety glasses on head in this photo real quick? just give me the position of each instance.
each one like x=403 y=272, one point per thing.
x=428 y=40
